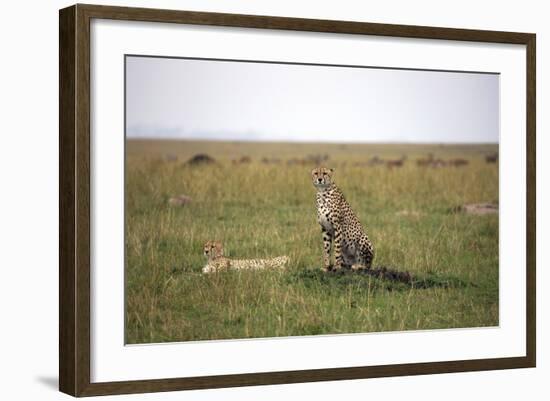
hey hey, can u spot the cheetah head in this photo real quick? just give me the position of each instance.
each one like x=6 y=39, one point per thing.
x=213 y=249
x=321 y=177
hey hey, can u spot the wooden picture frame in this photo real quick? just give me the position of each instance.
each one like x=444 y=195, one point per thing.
x=74 y=199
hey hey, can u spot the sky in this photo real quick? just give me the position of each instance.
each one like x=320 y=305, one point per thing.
x=244 y=101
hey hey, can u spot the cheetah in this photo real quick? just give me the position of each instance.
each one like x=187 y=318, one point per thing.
x=352 y=247
x=216 y=261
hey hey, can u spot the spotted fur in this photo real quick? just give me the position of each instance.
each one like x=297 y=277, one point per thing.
x=216 y=261
x=339 y=225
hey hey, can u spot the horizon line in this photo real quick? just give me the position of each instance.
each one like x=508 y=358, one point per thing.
x=145 y=138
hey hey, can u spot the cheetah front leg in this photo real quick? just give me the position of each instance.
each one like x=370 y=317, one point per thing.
x=339 y=258
x=327 y=246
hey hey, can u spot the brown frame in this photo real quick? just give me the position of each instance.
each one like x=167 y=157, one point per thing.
x=74 y=199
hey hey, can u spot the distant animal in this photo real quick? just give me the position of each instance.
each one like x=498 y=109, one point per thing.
x=180 y=200
x=242 y=160
x=200 y=159
x=437 y=163
x=375 y=161
x=339 y=225
x=492 y=158
x=273 y=160
x=425 y=162
x=458 y=162
x=317 y=159
x=217 y=262
x=396 y=162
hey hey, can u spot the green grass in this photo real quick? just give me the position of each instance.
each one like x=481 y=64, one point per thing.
x=260 y=210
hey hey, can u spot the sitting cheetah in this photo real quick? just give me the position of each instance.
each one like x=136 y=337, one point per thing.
x=339 y=224
x=213 y=250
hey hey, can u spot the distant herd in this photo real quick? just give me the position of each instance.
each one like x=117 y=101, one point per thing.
x=317 y=159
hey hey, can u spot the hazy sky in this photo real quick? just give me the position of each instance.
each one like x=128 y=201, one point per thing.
x=179 y=98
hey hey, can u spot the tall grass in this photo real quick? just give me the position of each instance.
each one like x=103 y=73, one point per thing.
x=265 y=210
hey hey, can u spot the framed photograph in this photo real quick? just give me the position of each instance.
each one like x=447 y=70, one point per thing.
x=250 y=200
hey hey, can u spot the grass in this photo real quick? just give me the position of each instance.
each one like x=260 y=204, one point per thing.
x=267 y=210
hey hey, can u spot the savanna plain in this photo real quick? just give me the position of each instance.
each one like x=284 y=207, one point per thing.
x=258 y=200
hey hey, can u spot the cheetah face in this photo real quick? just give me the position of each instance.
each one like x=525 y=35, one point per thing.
x=321 y=177
x=213 y=249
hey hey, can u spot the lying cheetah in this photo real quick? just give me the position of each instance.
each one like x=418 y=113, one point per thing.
x=339 y=225
x=213 y=250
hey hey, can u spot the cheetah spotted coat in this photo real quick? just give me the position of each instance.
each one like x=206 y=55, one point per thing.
x=216 y=262
x=340 y=225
